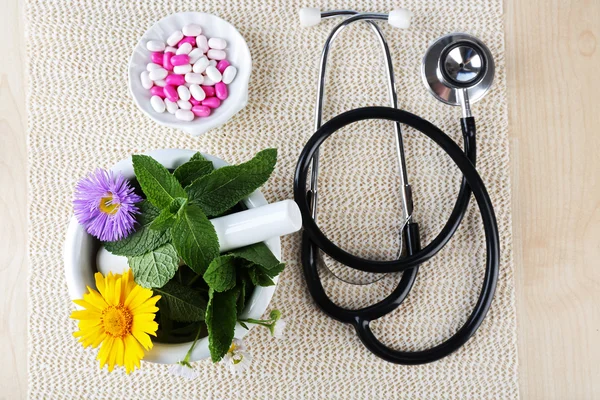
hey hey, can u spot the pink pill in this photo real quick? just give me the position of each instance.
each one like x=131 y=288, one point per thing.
x=201 y=111
x=221 y=65
x=194 y=101
x=175 y=80
x=211 y=102
x=187 y=39
x=157 y=91
x=157 y=57
x=209 y=90
x=171 y=93
x=180 y=59
x=221 y=90
x=166 y=61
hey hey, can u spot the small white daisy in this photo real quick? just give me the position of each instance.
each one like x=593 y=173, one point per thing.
x=184 y=370
x=278 y=328
x=237 y=358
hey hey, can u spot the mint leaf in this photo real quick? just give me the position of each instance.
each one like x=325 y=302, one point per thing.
x=241 y=301
x=259 y=278
x=157 y=183
x=220 y=274
x=192 y=170
x=225 y=187
x=195 y=238
x=155 y=268
x=164 y=221
x=177 y=204
x=259 y=254
x=181 y=303
x=221 y=317
x=273 y=272
x=198 y=157
x=143 y=239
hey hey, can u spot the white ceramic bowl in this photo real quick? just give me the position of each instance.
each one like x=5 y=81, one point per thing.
x=238 y=55
x=80 y=262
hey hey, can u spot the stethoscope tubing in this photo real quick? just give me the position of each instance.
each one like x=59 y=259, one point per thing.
x=314 y=240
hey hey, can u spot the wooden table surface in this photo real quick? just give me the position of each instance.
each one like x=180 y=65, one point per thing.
x=553 y=63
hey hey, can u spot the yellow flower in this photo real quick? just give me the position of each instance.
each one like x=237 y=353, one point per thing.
x=120 y=316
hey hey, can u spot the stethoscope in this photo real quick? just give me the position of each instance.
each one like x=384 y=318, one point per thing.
x=458 y=69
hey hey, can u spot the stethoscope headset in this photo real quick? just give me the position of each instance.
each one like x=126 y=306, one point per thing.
x=458 y=69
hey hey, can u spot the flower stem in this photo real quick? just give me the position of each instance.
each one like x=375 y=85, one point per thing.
x=186 y=360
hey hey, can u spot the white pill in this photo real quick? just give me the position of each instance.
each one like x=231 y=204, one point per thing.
x=184 y=104
x=170 y=49
x=184 y=49
x=197 y=92
x=202 y=43
x=184 y=115
x=183 y=92
x=213 y=63
x=152 y=66
x=175 y=38
x=214 y=54
x=192 y=30
x=182 y=69
x=171 y=106
x=191 y=77
x=161 y=83
x=213 y=73
x=155 y=45
x=208 y=81
x=195 y=55
x=158 y=74
x=157 y=104
x=201 y=64
x=217 y=43
x=146 y=81
x=229 y=74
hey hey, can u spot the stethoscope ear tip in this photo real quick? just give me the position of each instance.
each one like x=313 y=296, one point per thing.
x=309 y=16
x=400 y=18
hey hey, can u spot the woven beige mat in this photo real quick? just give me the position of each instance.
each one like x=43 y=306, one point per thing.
x=81 y=116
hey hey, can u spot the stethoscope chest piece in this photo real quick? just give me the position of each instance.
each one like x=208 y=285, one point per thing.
x=458 y=62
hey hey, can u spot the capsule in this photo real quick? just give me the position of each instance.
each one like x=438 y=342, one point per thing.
x=229 y=74
x=182 y=69
x=202 y=43
x=180 y=59
x=211 y=102
x=184 y=105
x=201 y=111
x=221 y=91
x=185 y=48
x=195 y=55
x=157 y=57
x=146 y=81
x=157 y=104
x=208 y=90
x=216 y=54
x=184 y=115
x=172 y=106
x=175 y=80
x=174 y=38
x=171 y=93
x=222 y=65
x=217 y=43
x=187 y=39
x=200 y=65
x=183 y=92
x=192 y=30
x=166 y=62
x=157 y=91
x=155 y=45
x=197 y=92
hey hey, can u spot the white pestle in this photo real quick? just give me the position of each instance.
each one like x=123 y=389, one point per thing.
x=234 y=231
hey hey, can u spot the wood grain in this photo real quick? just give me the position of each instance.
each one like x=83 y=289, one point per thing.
x=553 y=64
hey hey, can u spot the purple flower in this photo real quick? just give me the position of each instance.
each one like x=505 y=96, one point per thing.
x=105 y=206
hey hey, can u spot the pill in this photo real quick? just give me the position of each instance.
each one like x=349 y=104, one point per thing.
x=211 y=102
x=182 y=69
x=187 y=39
x=157 y=104
x=214 y=54
x=191 y=77
x=197 y=92
x=171 y=93
x=192 y=30
x=170 y=49
x=184 y=49
x=195 y=55
x=175 y=80
x=166 y=63
x=180 y=59
x=229 y=74
x=208 y=90
x=217 y=43
x=184 y=104
x=201 y=64
x=171 y=106
x=184 y=115
x=194 y=101
x=221 y=90
x=155 y=45
x=201 y=111
x=161 y=83
x=208 y=81
x=158 y=73
x=213 y=73
x=212 y=63
x=202 y=43
x=222 y=65
x=146 y=81
x=175 y=38
x=152 y=66
x=157 y=91
x=157 y=57
x=183 y=92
